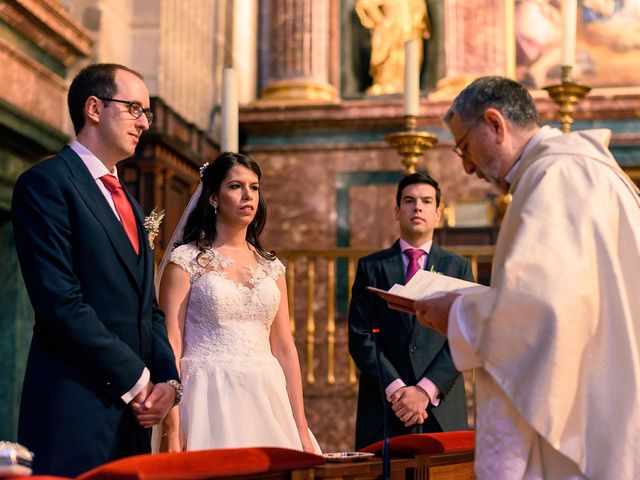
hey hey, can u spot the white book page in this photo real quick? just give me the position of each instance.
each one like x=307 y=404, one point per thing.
x=426 y=284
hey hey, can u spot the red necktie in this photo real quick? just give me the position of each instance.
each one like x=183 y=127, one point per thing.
x=414 y=254
x=123 y=207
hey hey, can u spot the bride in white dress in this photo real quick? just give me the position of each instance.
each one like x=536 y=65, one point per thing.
x=226 y=310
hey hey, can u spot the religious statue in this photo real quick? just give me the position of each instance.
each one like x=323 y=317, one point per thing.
x=391 y=23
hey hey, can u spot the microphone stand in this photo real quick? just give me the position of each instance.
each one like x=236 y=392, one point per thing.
x=386 y=457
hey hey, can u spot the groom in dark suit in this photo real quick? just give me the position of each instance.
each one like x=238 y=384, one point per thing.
x=100 y=368
x=424 y=391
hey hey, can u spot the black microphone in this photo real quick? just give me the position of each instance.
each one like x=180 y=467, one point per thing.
x=386 y=457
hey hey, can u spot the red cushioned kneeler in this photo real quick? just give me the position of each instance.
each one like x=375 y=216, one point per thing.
x=229 y=462
x=37 y=477
x=417 y=443
x=445 y=455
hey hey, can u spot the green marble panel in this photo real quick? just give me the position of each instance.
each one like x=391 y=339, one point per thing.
x=17 y=153
x=16 y=325
x=11 y=166
x=626 y=155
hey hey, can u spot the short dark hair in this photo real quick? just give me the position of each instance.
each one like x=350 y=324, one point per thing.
x=418 y=177
x=201 y=223
x=97 y=79
x=503 y=94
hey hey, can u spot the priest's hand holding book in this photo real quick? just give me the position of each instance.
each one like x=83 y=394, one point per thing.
x=429 y=296
x=433 y=312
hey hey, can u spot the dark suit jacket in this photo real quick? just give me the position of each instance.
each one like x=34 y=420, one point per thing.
x=97 y=323
x=408 y=350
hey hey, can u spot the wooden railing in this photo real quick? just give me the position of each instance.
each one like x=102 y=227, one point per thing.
x=319 y=290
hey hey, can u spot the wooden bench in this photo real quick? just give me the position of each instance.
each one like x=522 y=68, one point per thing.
x=371 y=469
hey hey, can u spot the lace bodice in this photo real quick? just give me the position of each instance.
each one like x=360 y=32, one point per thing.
x=227 y=323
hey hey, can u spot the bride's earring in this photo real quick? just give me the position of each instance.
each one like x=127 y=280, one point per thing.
x=215 y=208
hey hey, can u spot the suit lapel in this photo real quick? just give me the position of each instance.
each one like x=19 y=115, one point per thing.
x=433 y=259
x=96 y=202
x=394 y=270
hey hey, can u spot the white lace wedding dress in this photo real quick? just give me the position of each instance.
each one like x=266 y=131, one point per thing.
x=235 y=392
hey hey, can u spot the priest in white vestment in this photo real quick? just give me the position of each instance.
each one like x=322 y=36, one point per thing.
x=556 y=339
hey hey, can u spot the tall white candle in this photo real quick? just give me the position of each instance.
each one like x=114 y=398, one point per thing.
x=569 y=23
x=412 y=77
x=229 y=120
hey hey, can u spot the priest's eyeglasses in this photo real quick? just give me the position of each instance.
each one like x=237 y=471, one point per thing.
x=460 y=149
x=135 y=108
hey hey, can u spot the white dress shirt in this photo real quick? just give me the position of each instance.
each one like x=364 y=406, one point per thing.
x=424 y=383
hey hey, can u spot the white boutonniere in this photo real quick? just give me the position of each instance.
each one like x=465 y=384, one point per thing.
x=432 y=269
x=152 y=225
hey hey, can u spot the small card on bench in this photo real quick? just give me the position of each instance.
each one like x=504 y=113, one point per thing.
x=424 y=284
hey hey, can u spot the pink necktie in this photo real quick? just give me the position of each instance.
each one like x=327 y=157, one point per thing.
x=123 y=207
x=413 y=254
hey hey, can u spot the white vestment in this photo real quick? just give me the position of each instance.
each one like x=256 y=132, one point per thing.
x=556 y=339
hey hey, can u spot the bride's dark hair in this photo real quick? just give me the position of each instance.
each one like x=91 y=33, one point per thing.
x=201 y=223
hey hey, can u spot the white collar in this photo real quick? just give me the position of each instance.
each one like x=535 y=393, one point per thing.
x=543 y=132
x=426 y=246
x=93 y=163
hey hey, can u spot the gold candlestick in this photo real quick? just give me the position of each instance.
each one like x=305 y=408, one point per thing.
x=566 y=95
x=410 y=144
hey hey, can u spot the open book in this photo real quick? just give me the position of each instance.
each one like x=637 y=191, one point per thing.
x=424 y=284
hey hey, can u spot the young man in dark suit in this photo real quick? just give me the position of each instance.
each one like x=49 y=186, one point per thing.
x=424 y=391
x=100 y=368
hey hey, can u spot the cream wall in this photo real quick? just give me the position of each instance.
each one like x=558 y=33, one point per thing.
x=185 y=58
x=110 y=22
x=170 y=42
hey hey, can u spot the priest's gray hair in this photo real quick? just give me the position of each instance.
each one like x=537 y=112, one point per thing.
x=503 y=94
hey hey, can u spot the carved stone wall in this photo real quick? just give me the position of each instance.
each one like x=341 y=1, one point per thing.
x=34 y=68
x=28 y=85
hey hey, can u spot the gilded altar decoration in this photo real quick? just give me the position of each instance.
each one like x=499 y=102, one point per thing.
x=152 y=225
x=391 y=23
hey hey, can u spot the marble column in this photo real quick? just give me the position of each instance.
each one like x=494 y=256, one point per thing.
x=479 y=40
x=296 y=50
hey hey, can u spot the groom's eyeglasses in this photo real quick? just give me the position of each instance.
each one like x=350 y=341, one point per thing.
x=135 y=108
